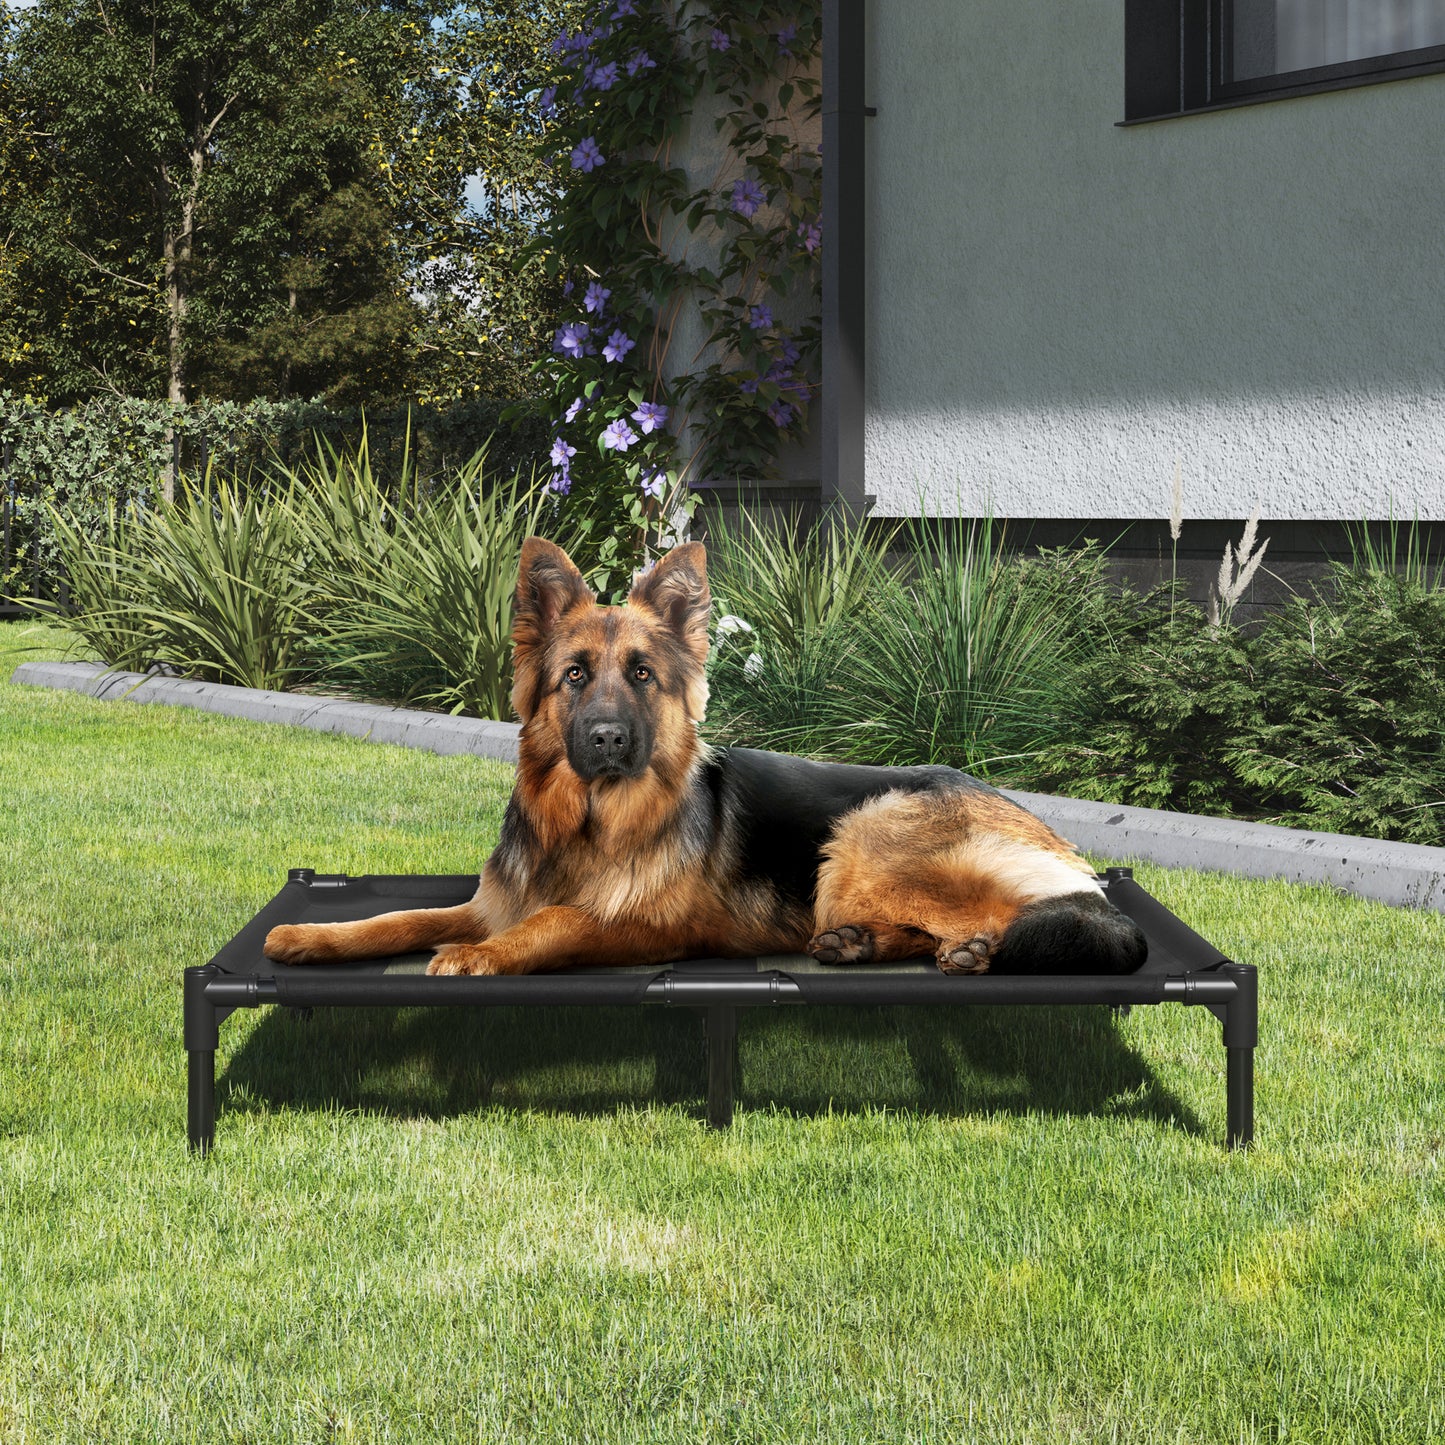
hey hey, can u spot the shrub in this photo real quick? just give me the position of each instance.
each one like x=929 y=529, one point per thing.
x=1163 y=696
x=1352 y=684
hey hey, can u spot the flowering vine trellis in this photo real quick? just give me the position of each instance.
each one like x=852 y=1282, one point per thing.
x=658 y=259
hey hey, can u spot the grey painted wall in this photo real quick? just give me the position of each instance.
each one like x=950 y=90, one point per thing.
x=1060 y=308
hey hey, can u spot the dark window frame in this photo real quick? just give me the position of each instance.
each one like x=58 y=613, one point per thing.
x=1173 y=65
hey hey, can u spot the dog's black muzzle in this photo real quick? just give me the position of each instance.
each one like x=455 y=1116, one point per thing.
x=607 y=747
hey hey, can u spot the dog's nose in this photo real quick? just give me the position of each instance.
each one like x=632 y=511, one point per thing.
x=610 y=740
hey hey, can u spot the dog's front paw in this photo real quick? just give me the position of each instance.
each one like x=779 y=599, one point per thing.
x=297 y=943
x=844 y=944
x=462 y=958
x=970 y=956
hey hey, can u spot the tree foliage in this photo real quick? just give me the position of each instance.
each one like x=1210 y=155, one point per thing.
x=216 y=198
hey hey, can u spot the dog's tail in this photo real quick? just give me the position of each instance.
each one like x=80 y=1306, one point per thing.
x=1075 y=933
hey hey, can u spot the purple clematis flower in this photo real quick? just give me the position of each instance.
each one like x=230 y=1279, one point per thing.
x=547 y=105
x=652 y=486
x=561 y=483
x=719 y=40
x=618 y=345
x=811 y=233
x=780 y=413
x=624 y=9
x=586 y=157
x=571 y=413
x=601 y=77
x=747 y=197
x=640 y=61
x=596 y=295
x=562 y=454
x=571 y=339
x=650 y=416
x=760 y=317
x=619 y=436
x=785 y=38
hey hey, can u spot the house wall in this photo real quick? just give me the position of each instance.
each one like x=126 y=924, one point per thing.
x=1059 y=309
x=702 y=151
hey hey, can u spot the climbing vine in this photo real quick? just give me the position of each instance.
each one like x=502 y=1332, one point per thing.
x=688 y=238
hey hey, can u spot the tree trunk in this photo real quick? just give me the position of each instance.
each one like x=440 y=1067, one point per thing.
x=176 y=377
x=176 y=254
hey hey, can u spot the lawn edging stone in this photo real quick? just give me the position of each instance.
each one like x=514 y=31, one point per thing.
x=372 y=722
x=1403 y=874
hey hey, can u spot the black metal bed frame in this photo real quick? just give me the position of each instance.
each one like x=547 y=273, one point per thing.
x=1182 y=968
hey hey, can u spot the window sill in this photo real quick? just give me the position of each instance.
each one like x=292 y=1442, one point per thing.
x=1292 y=92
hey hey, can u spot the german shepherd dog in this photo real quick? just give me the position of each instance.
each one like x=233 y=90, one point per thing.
x=629 y=840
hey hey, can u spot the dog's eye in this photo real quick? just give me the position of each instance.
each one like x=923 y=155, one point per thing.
x=642 y=673
x=575 y=673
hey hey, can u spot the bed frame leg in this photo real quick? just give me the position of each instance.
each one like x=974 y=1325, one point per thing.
x=1241 y=1035
x=720 y=1025
x=202 y=1037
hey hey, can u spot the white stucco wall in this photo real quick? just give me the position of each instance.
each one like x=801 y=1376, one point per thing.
x=1059 y=308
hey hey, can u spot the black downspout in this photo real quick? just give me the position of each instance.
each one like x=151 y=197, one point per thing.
x=844 y=211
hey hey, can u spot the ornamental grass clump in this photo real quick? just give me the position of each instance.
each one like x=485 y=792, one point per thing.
x=413 y=598
x=328 y=577
x=210 y=586
x=978 y=652
x=799 y=610
x=967 y=659
x=104 y=608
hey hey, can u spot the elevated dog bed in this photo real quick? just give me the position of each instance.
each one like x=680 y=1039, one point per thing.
x=1181 y=968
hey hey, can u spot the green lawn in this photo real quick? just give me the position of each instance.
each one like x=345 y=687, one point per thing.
x=993 y=1225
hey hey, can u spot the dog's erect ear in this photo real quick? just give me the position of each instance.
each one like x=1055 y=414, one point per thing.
x=675 y=587
x=548 y=584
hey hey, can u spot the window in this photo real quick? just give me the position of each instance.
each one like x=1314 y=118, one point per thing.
x=1204 y=54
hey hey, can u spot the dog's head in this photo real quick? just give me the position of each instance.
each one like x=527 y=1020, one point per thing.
x=619 y=689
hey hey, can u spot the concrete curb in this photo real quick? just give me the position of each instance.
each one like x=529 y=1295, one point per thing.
x=433 y=732
x=1404 y=874
x=1407 y=875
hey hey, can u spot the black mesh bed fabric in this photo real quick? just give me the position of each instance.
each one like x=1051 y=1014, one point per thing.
x=1181 y=967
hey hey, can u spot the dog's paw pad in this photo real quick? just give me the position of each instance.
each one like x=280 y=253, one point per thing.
x=969 y=957
x=844 y=944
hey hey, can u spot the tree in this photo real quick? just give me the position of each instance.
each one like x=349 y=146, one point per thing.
x=234 y=199
x=143 y=128
x=465 y=151
x=308 y=295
